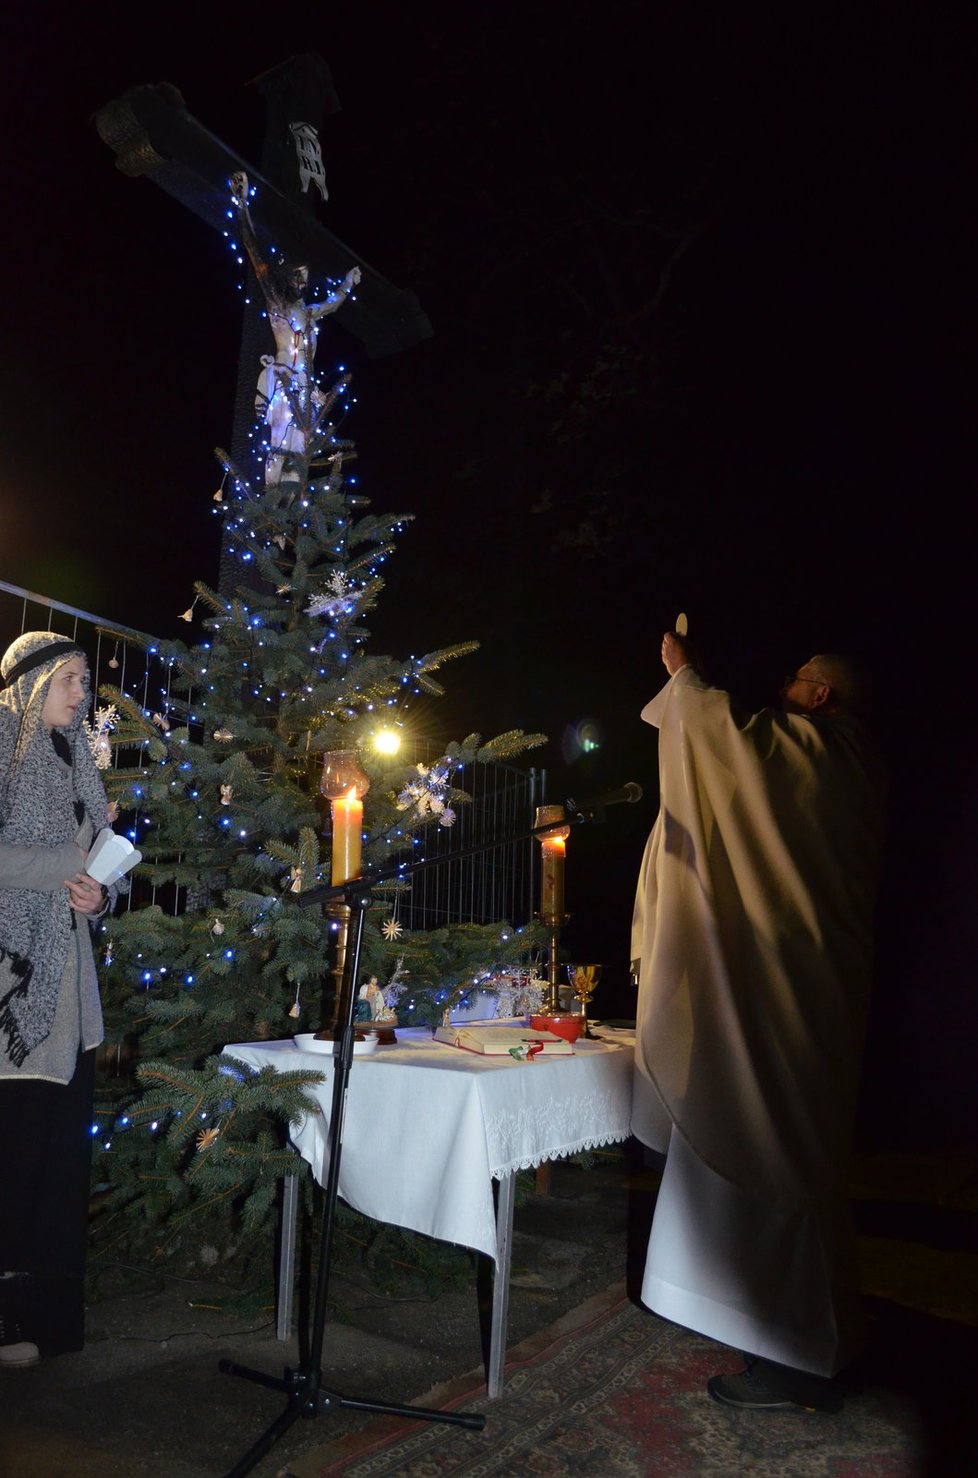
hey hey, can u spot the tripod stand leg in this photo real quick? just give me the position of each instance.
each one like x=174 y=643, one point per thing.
x=274 y=1382
x=268 y=1438
x=473 y=1420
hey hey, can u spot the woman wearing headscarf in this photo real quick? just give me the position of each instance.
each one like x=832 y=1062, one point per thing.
x=52 y=805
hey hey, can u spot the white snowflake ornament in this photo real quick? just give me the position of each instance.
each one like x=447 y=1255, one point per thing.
x=338 y=599
x=97 y=733
x=428 y=794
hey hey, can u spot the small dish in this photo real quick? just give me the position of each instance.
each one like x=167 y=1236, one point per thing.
x=309 y=1042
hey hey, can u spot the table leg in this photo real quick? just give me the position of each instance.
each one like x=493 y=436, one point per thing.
x=286 y=1256
x=500 y=1285
x=500 y=1282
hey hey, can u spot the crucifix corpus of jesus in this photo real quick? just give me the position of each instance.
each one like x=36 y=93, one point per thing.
x=287 y=396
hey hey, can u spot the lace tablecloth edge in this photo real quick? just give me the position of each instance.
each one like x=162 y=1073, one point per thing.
x=576 y=1148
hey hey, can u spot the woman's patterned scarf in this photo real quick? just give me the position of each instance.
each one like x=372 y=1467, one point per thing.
x=37 y=808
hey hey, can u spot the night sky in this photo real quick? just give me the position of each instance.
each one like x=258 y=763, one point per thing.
x=701 y=289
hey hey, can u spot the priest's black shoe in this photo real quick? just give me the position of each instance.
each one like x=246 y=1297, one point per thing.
x=764 y=1386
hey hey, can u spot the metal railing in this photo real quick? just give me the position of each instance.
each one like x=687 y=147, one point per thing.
x=493 y=885
x=127 y=663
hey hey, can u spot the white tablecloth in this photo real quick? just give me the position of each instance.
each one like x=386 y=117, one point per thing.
x=428 y=1126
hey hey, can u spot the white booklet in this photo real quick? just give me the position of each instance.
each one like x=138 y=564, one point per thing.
x=110 y=857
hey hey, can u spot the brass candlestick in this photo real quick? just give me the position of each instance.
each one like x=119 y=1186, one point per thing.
x=338 y=914
x=584 y=981
x=554 y=922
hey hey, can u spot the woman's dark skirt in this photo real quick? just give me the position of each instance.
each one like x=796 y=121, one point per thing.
x=45 y=1171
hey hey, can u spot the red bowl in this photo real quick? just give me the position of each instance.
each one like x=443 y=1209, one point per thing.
x=568 y=1026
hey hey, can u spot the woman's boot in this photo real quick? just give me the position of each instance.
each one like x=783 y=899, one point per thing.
x=16 y=1353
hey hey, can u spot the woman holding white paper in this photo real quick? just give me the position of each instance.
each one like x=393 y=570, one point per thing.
x=52 y=804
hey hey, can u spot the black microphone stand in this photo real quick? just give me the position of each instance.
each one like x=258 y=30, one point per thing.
x=307 y=1395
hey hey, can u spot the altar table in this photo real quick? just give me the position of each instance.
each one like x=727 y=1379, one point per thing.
x=428 y=1127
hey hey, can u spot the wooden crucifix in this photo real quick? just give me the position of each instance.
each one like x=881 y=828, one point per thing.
x=152 y=133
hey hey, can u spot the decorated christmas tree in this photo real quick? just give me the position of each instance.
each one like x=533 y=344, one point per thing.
x=229 y=791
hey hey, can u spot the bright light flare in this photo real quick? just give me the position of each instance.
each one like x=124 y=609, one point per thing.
x=387 y=741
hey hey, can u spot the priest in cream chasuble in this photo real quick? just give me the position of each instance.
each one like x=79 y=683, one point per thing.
x=753 y=932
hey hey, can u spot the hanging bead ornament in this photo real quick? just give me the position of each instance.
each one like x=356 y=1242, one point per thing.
x=219 y=495
x=217 y=928
x=295 y=1010
x=114 y=659
x=392 y=928
x=296 y=874
x=227 y=793
x=188 y=614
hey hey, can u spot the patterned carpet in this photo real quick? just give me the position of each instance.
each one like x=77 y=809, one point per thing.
x=619 y=1393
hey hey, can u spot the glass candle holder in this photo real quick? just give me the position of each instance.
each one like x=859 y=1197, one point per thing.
x=553 y=845
x=344 y=783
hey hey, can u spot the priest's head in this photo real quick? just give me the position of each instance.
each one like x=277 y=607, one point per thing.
x=825 y=684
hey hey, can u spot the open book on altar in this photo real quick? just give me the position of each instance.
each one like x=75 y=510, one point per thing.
x=504 y=1041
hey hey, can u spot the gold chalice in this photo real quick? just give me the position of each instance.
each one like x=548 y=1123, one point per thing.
x=584 y=980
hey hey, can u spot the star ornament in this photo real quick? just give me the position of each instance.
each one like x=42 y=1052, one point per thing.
x=206 y=1138
x=392 y=930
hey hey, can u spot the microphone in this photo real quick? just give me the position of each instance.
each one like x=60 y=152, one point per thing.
x=629 y=793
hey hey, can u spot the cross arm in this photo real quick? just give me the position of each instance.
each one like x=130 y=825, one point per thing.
x=152 y=133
